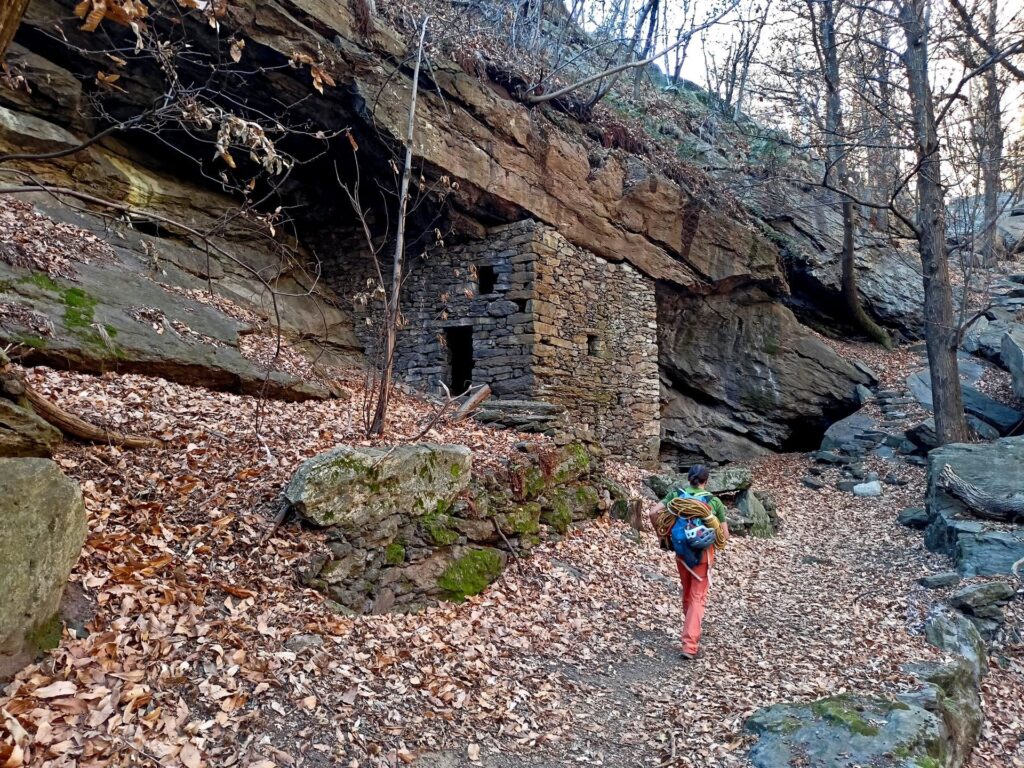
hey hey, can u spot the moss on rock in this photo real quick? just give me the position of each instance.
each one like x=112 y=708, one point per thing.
x=574 y=463
x=394 y=554
x=470 y=574
x=557 y=513
x=438 y=526
x=522 y=519
x=47 y=635
x=842 y=712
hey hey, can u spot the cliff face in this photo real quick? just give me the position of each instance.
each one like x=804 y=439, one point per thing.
x=739 y=371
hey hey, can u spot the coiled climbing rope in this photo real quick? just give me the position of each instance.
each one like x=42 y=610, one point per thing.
x=682 y=507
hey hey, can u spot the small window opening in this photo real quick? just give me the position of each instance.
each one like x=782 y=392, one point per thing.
x=594 y=345
x=486 y=279
x=521 y=303
x=459 y=340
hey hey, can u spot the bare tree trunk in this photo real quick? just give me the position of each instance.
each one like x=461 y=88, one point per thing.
x=836 y=174
x=992 y=152
x=940 y=328
x=398 y=261
x=10 y=18
x=652 y=25
x=851 y=294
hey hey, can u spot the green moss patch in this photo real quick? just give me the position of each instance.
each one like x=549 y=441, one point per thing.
x=470 y=574
x=438 y=526
x=78 y=308
x=524 y=519
x=47 y=635
x=394 y=554
x=558 y=512
x=41 y=280
x=842 y=712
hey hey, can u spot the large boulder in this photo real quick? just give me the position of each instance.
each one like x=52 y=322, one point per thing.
x=42 y=530
x=761 y=523
x=956 y=634
x=979 y=548
x=1012 y=349
x=976 y=599
x=356 y=489
x=846 y=434
x=721 y=481
x=810 y=238
x=410 y=526
x=847 y=730
x=985 y=337
x=742 y=376
x=951 y=690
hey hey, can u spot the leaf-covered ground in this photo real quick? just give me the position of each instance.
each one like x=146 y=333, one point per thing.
x=570 y=658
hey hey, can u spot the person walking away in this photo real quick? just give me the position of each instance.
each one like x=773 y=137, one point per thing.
x=695 y=579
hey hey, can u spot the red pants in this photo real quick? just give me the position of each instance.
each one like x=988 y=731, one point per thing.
x=695 y=596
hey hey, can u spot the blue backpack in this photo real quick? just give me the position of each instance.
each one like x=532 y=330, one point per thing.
x=690 y=537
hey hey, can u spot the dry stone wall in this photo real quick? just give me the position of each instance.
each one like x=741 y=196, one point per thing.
x=596 y=350
x=413 y=524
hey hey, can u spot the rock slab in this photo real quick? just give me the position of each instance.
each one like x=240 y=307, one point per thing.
x=42 y=530
x=1013 y=358
x=844 y=731
x=23 y=434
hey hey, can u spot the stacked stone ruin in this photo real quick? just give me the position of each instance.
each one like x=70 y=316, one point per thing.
x=536 y=318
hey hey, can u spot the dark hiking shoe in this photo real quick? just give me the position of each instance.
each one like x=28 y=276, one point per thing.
x=687 y=656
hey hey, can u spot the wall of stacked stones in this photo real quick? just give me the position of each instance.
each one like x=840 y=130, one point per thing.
x=596 y=351
x=485 y=286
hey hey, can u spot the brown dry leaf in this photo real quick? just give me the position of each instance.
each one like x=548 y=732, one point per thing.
x=189 y=756
x=16 y=758
x=59 y=688
x=237 y=46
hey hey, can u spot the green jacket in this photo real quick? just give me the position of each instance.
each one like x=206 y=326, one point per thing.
x=716 y=503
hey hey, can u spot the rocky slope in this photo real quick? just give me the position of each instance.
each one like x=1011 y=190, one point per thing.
x=740 y=374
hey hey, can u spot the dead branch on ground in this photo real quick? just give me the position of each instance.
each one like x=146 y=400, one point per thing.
x=15 y=386
x=1005 y=509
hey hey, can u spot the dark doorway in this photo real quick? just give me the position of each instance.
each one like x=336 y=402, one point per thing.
x=487 y=279
x=460 y=358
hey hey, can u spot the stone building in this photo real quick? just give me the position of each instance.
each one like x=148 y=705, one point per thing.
x=537 y=318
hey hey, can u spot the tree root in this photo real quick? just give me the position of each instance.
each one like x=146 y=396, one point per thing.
x=16 y=387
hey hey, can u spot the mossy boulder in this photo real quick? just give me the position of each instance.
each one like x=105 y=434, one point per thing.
x=470 y=573
x=951 y=690
x=848 y=730
x=723 y=480
x=521 y=520
x=356 y=488
x=42 y=530
x=956 y=634
x=759 y=522
x=574 y=462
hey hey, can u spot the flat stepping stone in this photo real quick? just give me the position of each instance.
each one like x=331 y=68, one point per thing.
x=940 y=580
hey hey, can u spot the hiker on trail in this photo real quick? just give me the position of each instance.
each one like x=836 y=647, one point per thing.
x=691 y=522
